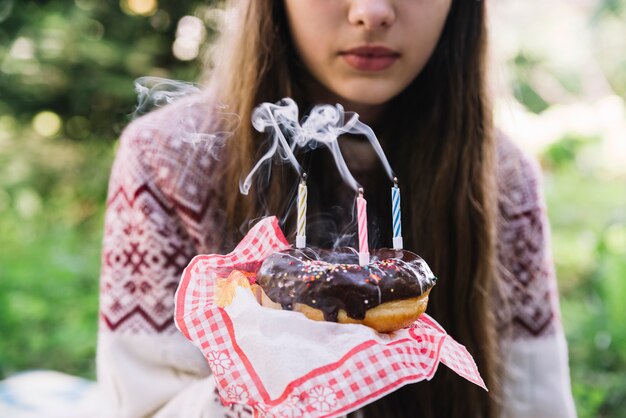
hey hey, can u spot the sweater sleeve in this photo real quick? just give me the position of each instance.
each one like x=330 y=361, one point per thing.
x=536 y=379
x=157 y=218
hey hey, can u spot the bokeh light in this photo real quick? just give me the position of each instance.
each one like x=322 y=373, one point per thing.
x=190 y=34
x=47 y=123
x=139 y=7
x=93 y=30
x=78 y=127
x=185 y=49
x=28 y=203
x=22 y=49
x=160 y=20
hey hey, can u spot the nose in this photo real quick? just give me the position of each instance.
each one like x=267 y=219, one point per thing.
x=372 y=14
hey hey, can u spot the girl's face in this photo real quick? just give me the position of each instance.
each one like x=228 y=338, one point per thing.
x=365 y=52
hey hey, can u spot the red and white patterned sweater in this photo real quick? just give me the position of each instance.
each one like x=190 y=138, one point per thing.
x=163 y=208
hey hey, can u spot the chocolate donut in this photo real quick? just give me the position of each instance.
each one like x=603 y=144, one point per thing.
x=388 y=294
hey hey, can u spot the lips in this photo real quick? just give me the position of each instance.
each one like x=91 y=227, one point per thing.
x=370 y=58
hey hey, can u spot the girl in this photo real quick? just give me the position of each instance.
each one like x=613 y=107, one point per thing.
x=415 y=71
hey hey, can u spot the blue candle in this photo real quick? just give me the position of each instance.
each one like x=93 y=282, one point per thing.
x=396 y=216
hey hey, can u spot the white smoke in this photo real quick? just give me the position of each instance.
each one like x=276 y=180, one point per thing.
x=321 y=128
x=196 y=121
x=156 y=92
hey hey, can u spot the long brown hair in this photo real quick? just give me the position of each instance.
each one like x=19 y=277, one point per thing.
x=438 y=137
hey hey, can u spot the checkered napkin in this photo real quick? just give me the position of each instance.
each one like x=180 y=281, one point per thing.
x=284 y=365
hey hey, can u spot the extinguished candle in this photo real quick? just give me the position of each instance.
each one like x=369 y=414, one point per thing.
x=396 y=215
x=364 y=253
x=302 y=197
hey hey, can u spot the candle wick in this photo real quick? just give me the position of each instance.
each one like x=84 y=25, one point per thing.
x=303 y=178
x=361 y=191
x=395 y=181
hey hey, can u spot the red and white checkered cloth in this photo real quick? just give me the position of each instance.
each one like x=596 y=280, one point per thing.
x=285 y=365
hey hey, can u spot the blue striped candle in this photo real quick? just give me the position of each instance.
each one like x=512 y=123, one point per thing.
x=396 y=215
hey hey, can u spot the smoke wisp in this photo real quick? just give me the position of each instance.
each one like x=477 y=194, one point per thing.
x=321 y=128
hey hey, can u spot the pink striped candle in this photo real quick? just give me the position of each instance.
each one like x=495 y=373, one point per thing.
x=364 y=252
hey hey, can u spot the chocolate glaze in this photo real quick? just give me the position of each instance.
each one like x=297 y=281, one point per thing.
x=333 y=280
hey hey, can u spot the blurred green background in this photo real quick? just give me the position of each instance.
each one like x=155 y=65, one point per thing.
x=66 y=91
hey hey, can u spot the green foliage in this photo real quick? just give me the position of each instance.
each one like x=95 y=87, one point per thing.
x=78 y=60
x=81 y=58
x=523 y=89
x=588 y=218
x=51 y=196
x=616 y=7
x=562 y=154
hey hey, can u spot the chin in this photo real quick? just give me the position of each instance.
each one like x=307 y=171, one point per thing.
x=368 y=95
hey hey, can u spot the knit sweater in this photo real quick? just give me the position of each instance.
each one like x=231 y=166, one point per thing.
x=164 y=207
